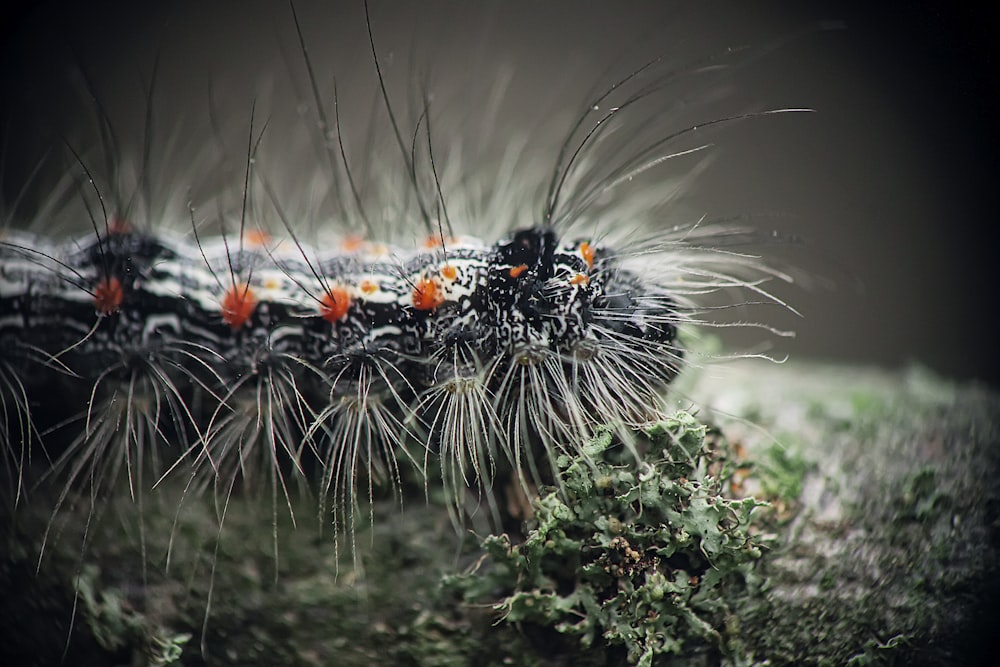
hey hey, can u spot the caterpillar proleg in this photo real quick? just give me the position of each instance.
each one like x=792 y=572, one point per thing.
x=394 y=309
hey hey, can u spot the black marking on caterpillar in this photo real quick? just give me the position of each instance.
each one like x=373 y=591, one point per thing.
x=223 y=357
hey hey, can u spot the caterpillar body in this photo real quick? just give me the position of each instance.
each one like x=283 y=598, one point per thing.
x=530 y=337
x=225 y=356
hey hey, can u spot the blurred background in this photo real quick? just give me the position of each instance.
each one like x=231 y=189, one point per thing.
x=891 y=182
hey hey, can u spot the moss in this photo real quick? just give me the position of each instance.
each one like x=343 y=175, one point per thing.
x=921 y=499
x=636 y=553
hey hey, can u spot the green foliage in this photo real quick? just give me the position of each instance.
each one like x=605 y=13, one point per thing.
x=631 y=550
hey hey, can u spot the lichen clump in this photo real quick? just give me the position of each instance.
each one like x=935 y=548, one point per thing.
x=632 y=550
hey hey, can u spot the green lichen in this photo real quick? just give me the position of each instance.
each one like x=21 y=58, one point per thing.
x=117 y=627
x=782 y=471
x=630 y=551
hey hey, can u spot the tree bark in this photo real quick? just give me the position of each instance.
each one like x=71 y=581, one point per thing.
x=885 y=550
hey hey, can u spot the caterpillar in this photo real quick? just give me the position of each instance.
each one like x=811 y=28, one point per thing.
x=342 y=360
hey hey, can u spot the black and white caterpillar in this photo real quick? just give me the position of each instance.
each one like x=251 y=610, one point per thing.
x=220 y=356
x=351 y=355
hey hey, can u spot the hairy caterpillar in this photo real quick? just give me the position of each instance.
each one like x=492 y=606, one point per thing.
x=480 y=326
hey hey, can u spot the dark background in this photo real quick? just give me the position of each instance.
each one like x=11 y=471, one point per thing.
x=892 y=182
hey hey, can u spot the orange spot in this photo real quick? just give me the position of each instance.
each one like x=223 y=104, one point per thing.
x=739 y=451
x=119 y=226
x=256 y=237
x=587 y=252
x=437 y=241
x=368 y=286
x=579 y=279
x=449 y=272
x=516 y=271
x=238 y=305
x=108 y=295
x=334 y=304
x=427 y=295
x=352 y=243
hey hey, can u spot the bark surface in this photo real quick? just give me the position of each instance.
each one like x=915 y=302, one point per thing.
x=884 y=521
